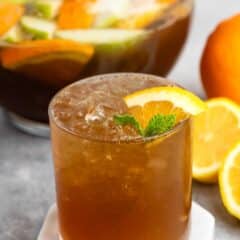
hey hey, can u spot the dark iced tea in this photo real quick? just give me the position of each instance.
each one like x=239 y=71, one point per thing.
x=41 y=54
x=111 y=183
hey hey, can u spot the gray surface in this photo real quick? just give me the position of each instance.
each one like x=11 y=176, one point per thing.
x=26 y=180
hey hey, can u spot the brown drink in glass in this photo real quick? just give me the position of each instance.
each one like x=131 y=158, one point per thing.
x=111 y=183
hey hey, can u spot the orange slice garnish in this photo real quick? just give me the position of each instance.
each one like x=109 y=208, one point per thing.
x=144 y=104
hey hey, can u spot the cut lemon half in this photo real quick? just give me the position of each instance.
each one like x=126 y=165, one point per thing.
x=214 y=132
x=146 y=103
x=229 y=179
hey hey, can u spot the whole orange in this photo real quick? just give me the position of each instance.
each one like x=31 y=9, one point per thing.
x=220 y=64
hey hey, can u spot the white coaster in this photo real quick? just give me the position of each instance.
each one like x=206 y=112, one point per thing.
x=202 y=225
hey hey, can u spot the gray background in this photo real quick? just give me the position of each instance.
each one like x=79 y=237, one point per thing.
x=26 y=174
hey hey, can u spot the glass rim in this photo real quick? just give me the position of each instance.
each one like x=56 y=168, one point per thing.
x=132 y=140
x=158 y=24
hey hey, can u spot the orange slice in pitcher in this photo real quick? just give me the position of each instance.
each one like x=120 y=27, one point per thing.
x=75 y=15
x=10 y=14
x=55 y=62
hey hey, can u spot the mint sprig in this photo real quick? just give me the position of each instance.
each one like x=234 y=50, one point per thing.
x=128 y=120
x=158 y=124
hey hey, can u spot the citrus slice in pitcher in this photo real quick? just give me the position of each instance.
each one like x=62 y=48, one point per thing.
x=10 y=14
x=75 y=14
x=55 y=62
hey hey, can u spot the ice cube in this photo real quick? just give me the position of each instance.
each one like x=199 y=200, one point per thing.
x=97 y=115
x=102 y=107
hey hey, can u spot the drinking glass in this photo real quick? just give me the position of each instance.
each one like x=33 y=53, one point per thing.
x=109 y=184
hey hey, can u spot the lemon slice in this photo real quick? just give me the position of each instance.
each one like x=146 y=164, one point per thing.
x=229 y=179
x=214 y=132
x=165 y=100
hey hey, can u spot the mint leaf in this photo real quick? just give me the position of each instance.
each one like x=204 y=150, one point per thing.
x=128 y=120
x=159 y=124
